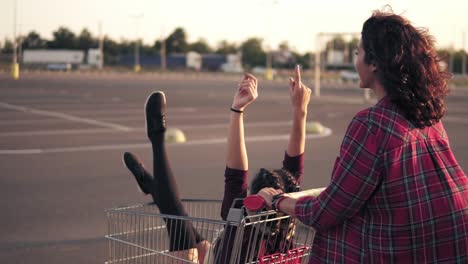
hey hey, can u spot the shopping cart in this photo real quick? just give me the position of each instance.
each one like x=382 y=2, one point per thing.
x=138 y=234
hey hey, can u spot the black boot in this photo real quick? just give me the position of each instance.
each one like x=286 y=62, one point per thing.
x=155 y=110
x=143 y=178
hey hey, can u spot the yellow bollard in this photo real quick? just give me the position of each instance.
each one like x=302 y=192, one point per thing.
x=174 y=135
x=314 y=127
x=137 y=68
x=15 y=71
x=269 y=74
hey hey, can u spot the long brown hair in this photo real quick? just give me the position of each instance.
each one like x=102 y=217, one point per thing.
x=407 y=66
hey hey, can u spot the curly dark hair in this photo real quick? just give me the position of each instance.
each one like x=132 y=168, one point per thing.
x=278 y=235
x=407 y=66
x=280 y=179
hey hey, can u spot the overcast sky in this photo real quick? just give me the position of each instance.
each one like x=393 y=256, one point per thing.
x=297 y=21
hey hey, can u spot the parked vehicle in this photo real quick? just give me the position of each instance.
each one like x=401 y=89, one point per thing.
x=59 y=67
x=349 y=76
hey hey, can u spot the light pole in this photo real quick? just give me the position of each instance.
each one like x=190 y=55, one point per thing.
x=15 y=65
x=269 y=51
x=463 y=54
x=317 y=64
x=101 y=47
x=162 y=50
x=137 y=66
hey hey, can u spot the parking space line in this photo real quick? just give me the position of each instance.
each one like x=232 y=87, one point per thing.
x=59 y=132
x=106 y=130
x=214 y=141
x=65 y=116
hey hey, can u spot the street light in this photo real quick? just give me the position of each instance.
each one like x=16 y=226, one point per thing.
x=101 y=47
x=269 y=51
x=464 y=53
x=15 y=65
x=137 y=66
x=162 y=50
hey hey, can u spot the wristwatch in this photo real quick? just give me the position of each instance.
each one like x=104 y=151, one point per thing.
x=275 y=199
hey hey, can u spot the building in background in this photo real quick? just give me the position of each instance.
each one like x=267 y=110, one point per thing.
x=222 y=62
x=177 y=61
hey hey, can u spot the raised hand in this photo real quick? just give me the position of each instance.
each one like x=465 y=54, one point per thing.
x=300 y=94
x=246 y=93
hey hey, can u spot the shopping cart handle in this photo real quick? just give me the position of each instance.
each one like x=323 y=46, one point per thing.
x=254 y=202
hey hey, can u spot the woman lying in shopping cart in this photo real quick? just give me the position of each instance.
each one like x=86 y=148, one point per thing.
x=184 y=239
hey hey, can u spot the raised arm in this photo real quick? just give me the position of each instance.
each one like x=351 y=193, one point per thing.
x=236 y=157
x=300 y=97
x=356 y=175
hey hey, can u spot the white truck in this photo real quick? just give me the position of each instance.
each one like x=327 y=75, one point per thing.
x=54 y=59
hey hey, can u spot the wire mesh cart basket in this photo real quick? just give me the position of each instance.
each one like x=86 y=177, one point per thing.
x=138 y=234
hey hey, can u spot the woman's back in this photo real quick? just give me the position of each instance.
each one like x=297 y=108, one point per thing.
x=420 y=210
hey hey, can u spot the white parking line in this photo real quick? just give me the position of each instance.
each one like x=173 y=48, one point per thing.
x=64 y=116
x=214 y=141
x=60 y=132
x=104 y=130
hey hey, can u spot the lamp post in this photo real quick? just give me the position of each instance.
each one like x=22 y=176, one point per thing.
x=162 y=50
x=269 y=51
x=101 y=47
x=137 y=66
x=15 y=65
x=463 y=54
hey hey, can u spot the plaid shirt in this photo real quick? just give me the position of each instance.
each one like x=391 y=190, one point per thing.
x=397 y=195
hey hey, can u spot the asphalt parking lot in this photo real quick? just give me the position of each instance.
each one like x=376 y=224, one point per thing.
x=62 y=137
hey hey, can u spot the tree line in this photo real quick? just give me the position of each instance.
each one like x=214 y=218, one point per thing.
x=253 y=52
x=176 y=42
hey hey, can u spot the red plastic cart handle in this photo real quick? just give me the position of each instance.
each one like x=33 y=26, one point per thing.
x=254 y=202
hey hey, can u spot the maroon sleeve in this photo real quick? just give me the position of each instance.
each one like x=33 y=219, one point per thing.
x=235 y=186
x=295 y=165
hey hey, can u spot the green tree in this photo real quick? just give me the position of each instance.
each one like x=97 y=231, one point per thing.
x=7 y=46
x=224 y=47
x=253 y=53
x=111 y=51
x=284 y=45
x=336 y=43
x=200 y=46
x=147 y=49
x=33 y=41
x=157 y=46
x=86 y=40
x=457 y=61
x=127 y=46
x=352 y=46
x=177 y=42
x=63 y=39
x=303 y=60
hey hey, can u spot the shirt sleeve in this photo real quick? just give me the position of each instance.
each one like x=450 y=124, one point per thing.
x=355 y=176
x=295 y=165
x=235 y=186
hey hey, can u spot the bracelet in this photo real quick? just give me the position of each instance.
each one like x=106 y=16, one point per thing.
x=237 y=111
x=275 y=199
x=278 y=203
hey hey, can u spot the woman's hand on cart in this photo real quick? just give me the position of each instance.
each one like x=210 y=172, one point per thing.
x=266 y=198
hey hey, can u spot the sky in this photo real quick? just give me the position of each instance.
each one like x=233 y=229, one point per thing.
x=275 y=21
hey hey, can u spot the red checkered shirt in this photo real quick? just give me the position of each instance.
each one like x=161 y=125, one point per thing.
x=397 y=195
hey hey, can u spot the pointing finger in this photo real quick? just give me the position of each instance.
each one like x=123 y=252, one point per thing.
x=297 y=71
